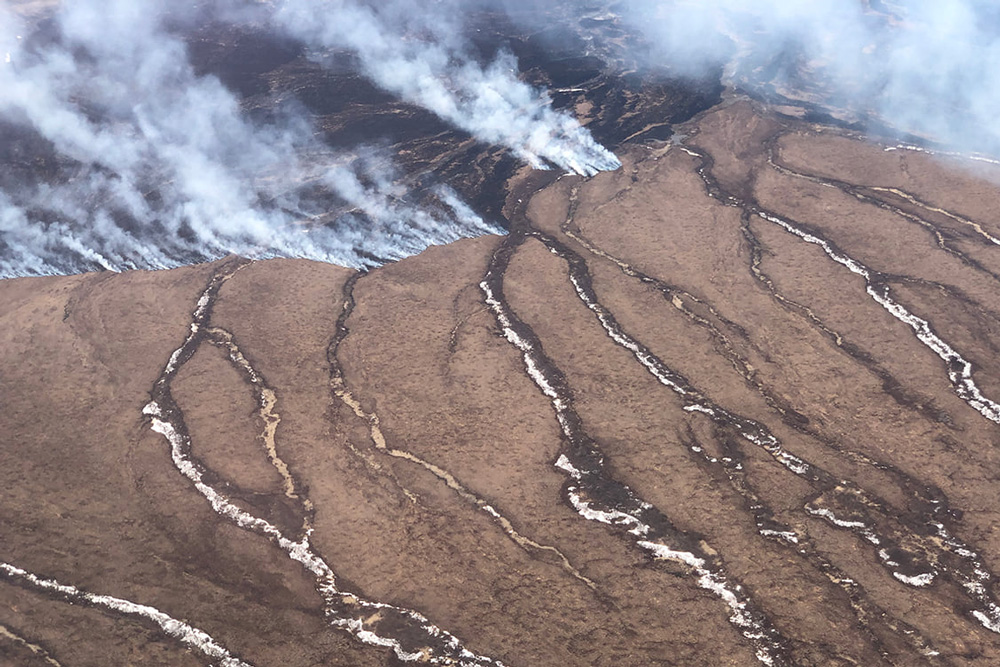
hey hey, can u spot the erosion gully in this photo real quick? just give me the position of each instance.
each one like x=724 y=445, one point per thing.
x=340 y=389
x=410 y=635
x=916 y=546
x=186 y=634
x=593 y=492
x=931 y=550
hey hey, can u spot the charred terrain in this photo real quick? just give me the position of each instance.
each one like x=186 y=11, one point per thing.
x=578 y=60
x=735 y=403
x=731 y=403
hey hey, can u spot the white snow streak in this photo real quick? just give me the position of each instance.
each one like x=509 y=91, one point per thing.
x=191 y=636
x=961 y=377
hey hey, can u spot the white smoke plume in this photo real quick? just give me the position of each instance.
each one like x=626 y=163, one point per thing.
x=158 y=166
x=415 y=50
x=929 y=67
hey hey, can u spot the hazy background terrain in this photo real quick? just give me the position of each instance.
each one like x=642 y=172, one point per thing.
x=129 y=145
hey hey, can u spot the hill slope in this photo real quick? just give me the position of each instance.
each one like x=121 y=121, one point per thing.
x=729 y=405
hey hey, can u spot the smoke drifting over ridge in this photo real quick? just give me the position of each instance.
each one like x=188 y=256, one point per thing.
x=157 y=165
x=928 y=67
x=488 y=102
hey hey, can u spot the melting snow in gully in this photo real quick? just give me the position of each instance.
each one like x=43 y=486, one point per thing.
x=562 y=333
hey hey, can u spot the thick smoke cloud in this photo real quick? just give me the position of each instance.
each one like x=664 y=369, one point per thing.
x=160 y=126
x=930 y=67
x=158 y=166
x=927 y=67
x=415 y=50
